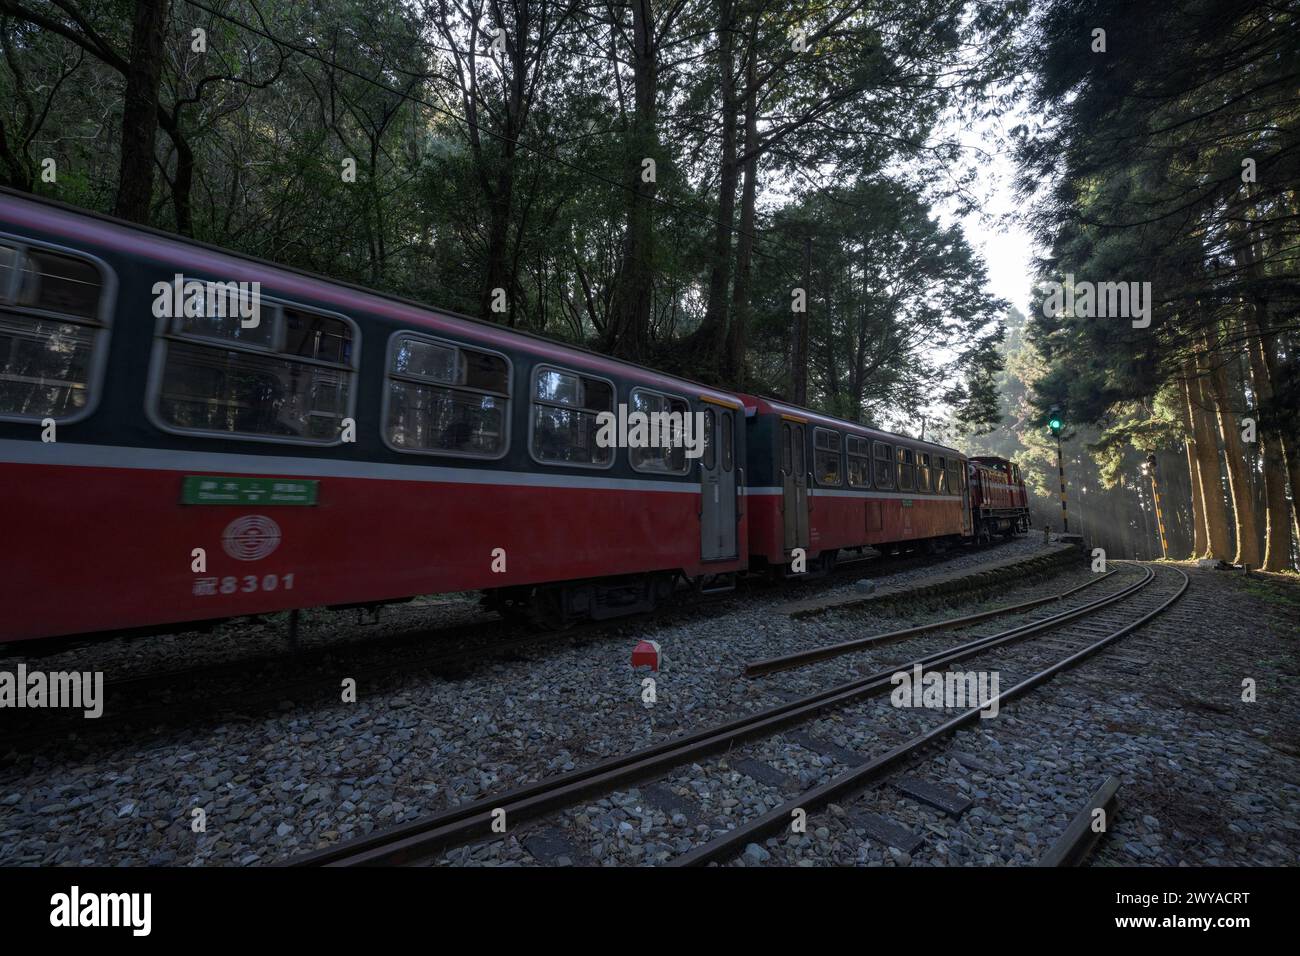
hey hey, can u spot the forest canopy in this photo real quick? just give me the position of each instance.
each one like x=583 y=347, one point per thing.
x=650 y=180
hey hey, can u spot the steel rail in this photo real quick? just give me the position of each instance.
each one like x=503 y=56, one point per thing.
x=827 y=651
x=464 y=823
x=727 y=844
x=1078 y=839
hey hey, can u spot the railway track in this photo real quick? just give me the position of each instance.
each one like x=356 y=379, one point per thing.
x=166 y=700
x=826 y=652
x=1076 y=633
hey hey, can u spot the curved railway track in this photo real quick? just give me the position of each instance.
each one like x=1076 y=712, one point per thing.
x=1083 y=629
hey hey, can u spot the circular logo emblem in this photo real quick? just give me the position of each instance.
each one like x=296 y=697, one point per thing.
x=251 y=537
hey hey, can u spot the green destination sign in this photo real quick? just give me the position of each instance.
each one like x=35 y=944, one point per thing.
x=221 y=490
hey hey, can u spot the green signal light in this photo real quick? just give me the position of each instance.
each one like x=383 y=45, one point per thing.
x=1054 y=424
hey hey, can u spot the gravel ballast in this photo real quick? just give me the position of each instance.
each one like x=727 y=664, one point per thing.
x=1219 y=786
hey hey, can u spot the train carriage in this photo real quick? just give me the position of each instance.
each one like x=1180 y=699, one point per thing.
x=160 y=467
x=167 y=459
x=824 y=484
x=999 y=501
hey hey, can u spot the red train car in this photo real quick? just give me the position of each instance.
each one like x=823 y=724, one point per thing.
x=999 y=501
x=824 y=484
x=162 y=465
x=351 y=448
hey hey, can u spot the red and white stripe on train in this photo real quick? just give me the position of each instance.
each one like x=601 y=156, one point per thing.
x=160 y=470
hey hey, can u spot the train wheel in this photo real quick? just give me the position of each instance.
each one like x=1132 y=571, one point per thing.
x=662 y=590
x=546 y=610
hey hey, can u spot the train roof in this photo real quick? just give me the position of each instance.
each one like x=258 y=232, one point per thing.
x=771 y=406
x=52 y=216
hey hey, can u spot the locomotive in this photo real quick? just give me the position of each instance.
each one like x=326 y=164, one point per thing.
x=173 y=465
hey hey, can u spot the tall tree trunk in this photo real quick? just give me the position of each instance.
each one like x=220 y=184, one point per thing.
x=628 y=333
x=20 y=173
x=1199 y=538
x=714 y=328
x=140 y=111
x=1280 y=456
x=1289 y=451
x=832 y=367
x=1239 y=489
x=799 y=334
x=498 y=265
x=734 y=367
x=1176 y=493
x=1207 y=459
x=1277 y=527
x=501 y=270
x=183 y=183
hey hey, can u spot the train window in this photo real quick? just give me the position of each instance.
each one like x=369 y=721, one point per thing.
x=428 y=361
x=923 y=473
x=728 y=424
x=786 y=463
x=318 y=337
x=906 y=468
x=884 y=465
x=491 y=373
x=446 y=399
x=710 y=437
x=51 y=333
x=566 y=407
x=667 y=413
x=290 y=378
x=941 y=475
x=555 y=387
x=859 y=455
x=955 y=471
x=59 y=283
x=826 y=456
x=8 y=266
x=229 y=328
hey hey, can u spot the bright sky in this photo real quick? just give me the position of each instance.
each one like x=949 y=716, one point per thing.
x=997 y=232
x=1007 y=251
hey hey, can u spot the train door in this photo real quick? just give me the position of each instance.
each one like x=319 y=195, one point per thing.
x=718 y=486
x=966 y=471
x=794 y=485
